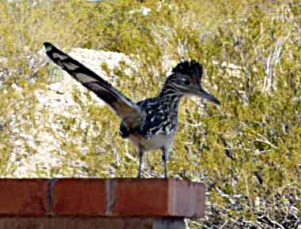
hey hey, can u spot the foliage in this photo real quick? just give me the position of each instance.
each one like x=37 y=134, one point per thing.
x=247 y=151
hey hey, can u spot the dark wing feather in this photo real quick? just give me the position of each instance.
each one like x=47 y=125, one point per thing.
x=127 y=110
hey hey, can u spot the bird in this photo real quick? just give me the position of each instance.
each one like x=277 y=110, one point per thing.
x=150 y=124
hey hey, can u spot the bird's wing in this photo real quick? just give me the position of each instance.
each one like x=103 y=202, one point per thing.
x=127 y=110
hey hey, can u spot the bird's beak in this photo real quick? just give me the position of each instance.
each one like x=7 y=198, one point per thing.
x=204 y=94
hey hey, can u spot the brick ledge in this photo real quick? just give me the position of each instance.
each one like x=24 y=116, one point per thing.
x=120 y=197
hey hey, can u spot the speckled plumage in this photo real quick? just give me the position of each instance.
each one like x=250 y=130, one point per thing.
x=150 y=124
x=161 y=116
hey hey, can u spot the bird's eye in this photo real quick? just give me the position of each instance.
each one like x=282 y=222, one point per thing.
x=186 y=82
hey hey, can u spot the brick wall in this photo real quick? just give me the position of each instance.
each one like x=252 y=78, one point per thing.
x=99 y=203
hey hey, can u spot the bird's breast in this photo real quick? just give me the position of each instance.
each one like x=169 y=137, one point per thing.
x=152 y=143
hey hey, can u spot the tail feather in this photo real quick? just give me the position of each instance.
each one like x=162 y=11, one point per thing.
x=127 y=110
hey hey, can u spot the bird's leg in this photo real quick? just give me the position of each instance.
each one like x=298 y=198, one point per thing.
x=141 y=153
x=164 y=159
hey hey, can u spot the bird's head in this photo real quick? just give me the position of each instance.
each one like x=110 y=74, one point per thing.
x=186 y=79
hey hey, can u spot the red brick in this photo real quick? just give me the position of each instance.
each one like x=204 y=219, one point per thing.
x=23 y=197
x=186 y=198
x=102 y=197
x=141 y=197
x=85 y=197
x=158 y=197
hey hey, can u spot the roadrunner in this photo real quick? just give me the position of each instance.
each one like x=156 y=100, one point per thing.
x=150 y=124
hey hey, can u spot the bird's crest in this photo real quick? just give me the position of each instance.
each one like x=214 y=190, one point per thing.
x=191 y=68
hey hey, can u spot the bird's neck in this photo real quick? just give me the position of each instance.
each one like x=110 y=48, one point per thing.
x=169 y=89
x=171 y=96
x=171 y=101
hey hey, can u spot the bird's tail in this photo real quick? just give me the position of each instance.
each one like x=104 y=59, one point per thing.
x=127 y=110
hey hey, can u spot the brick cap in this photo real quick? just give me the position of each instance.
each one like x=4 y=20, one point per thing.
x=119 y=197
